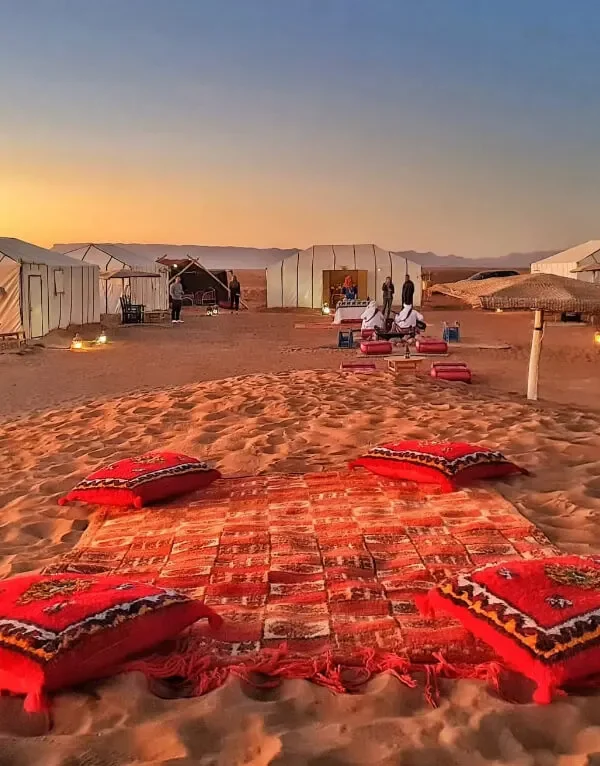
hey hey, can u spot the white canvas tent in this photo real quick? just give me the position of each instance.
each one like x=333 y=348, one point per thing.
x=152 y=293
x=41 y=290
x=302 y=280
x=571 y=262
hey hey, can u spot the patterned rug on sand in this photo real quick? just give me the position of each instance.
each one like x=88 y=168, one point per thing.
x=311 y=573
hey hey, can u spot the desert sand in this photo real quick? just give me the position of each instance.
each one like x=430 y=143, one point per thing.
x=244 y=392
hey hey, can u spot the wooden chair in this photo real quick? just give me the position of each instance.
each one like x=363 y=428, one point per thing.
x=131 y=313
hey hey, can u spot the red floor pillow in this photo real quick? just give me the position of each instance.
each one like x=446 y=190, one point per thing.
x=431 y=346
x=446 y=464
x=460 y=374
x=375 y=347
x=142 y=480
x=57 y=631
x=542 y=617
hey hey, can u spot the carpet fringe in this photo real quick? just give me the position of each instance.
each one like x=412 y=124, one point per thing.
x=205 y=672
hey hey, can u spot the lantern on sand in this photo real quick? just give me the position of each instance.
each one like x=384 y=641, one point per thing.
x=77 y=342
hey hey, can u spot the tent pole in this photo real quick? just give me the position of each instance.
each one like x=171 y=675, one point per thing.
x=534 y=359
x=210 y=274
x=179 y=273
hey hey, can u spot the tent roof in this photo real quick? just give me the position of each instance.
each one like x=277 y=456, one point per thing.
x=575 y=254
x=527 y=291
x=24 y=252
x=342 y=252
x=212 y=258
x=120 y=254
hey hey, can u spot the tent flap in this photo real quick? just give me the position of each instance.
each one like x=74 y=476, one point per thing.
x=10 y=296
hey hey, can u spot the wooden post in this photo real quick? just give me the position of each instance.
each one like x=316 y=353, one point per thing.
x=534 y=358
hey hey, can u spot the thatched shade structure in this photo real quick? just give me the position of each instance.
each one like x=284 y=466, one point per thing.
x=128 y=274
x=539 y=292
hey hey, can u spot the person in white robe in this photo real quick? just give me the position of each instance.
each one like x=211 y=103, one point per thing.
x=407 y=319
x=372 y=318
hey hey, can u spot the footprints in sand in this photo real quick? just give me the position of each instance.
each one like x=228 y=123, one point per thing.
x=299 y=421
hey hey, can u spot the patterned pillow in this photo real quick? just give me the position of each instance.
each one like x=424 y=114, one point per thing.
x=142 y=480
x=542 y=616
x=446 y=464
x=61 y=630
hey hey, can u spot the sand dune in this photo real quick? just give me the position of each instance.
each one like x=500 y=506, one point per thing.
x=294 y=421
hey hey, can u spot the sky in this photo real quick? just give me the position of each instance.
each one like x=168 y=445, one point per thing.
x=458 y=126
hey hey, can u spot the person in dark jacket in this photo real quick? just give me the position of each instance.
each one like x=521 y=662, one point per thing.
x=388 y=290
x=234 y=292
x=408 y=291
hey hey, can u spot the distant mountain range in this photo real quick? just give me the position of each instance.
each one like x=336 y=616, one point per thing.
x=510 y=261
x=259 y=258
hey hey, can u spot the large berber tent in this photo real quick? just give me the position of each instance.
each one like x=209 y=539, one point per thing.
x=304 y=280
x=41 y=290
x=576 y=262
x=153 y=294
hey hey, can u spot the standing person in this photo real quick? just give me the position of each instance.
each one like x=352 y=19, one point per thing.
x=176 y=292
x=388 y=290
x=234 y=293
x=408 y=291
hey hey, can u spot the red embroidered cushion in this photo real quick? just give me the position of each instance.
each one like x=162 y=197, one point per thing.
x=142 y=480
x=541 y=616
x=60 y=630
x=446 y=464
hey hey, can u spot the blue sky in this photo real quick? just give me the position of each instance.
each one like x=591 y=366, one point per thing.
x=453 y=125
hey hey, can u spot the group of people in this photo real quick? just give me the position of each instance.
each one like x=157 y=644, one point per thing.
x=177 y=295
x=406 y=322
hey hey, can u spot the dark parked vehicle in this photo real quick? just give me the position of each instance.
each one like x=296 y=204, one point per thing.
x=492 y=274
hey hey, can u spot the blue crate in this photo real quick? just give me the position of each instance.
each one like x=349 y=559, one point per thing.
x=346 y=339
x=451 y=333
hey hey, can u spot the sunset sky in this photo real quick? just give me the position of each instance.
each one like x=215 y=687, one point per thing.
x=463 y=126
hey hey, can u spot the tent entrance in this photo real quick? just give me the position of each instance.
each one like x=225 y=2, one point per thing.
x=36 y=316
x=199 y=283
x=333 y=281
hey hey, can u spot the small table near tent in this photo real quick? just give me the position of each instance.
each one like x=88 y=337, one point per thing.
x=131 y=313
x=348 y=311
